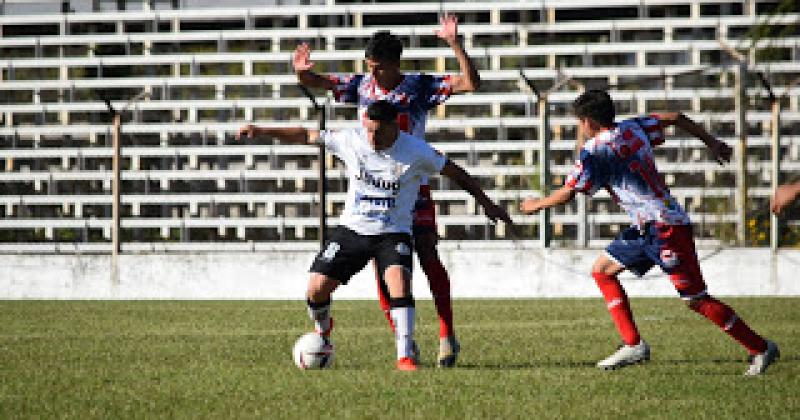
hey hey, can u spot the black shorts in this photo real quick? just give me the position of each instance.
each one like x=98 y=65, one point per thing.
x=347 y=252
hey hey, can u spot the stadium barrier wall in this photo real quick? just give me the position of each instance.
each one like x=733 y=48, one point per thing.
x=499 y=269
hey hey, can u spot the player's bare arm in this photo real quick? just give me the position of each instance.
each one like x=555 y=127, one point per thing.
x=784 y=196
x=720 y=151
x=287 y=135
x=468 y=80
x=466 y=182
x=561 y=196
x=303 y=69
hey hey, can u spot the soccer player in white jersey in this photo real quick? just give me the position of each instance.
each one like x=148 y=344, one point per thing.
x=414 y=94
x=385 y=167
x=619 y=158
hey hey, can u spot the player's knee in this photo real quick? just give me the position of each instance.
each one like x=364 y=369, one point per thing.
x=605 y=266
x=319 y=289
x=398 y=281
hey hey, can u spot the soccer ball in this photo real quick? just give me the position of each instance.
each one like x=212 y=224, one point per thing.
x=313 y=351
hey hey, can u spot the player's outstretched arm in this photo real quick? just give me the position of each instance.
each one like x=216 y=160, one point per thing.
x=288 y=135
x=468 y=80
x=720 y=151
x=466 y=182
x=784 y=196
x=561 y=196
x=302 y=64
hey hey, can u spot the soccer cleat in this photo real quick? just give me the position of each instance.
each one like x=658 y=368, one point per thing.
x=406 y=364
x=449 y=347
x=326 y=333
x=415 y=352
x=760 y=362
x=626 y=355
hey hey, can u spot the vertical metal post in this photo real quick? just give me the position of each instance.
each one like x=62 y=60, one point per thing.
x=544 y=169
x=323 y=181
x=774 y=227
x=322 y=115
x=115 y=201
x=741 y=162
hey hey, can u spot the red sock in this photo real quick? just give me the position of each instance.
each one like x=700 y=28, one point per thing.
x=383 y=296
x=439 y=283
x=618 y=306
x=725 y=318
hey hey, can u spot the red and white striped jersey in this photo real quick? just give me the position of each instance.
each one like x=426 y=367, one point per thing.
x=621 y=160
x=416 y=94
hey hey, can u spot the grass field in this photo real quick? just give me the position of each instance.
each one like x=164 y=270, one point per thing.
x=521 y=358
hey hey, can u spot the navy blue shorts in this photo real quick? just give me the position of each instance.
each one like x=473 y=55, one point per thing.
x=671 y=247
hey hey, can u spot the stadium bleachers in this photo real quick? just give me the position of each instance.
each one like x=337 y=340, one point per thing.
x=208 y=70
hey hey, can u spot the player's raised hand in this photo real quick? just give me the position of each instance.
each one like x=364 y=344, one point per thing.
x=530 y=205
x=721 y=152
x=301 y=59
x=449 y=29
x=784 y=195
x=248 y=131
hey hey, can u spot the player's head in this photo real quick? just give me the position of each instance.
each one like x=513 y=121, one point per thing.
x=383 y=53
x=381 y=124
x=595 y=111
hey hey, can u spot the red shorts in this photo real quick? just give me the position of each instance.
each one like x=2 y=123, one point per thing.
x=669 y=246
x=424 y=211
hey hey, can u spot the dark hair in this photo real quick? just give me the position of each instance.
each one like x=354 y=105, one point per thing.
x=384 y=46
x=597 y=105
x=382 y=111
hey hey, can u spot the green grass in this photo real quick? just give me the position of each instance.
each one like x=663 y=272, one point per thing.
x=521 y=358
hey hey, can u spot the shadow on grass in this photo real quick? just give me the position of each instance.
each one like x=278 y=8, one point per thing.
x=591 y=364
x=525 y=365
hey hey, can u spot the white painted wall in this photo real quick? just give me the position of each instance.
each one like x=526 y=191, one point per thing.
x=477 y=269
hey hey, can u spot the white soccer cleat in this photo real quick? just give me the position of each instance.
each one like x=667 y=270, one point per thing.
x=626 y=355
x=760 y=362
x=449 y=347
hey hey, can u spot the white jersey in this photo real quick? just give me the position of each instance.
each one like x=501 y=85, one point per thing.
x=383 y=185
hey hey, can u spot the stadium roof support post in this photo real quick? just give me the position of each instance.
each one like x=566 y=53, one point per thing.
x=116 y=192
x=115 y=201
x=545 y=137
x=775 y=128
x=545 y=230
x=741 y=162
x=322 y=188
x=740 y=101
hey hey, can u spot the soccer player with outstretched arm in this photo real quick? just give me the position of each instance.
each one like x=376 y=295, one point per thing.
x=413 y=94
x=619 y=158
x=385 y=167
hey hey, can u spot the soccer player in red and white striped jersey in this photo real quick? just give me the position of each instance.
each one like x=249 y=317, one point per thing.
x=619 y=158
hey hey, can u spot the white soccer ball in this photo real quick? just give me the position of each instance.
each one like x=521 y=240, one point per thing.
x=313 y=351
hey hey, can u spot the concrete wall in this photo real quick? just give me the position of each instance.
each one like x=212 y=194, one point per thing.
x=478 y=269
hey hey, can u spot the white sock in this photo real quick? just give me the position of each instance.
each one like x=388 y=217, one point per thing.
x=404 y=330
x=321 y=317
